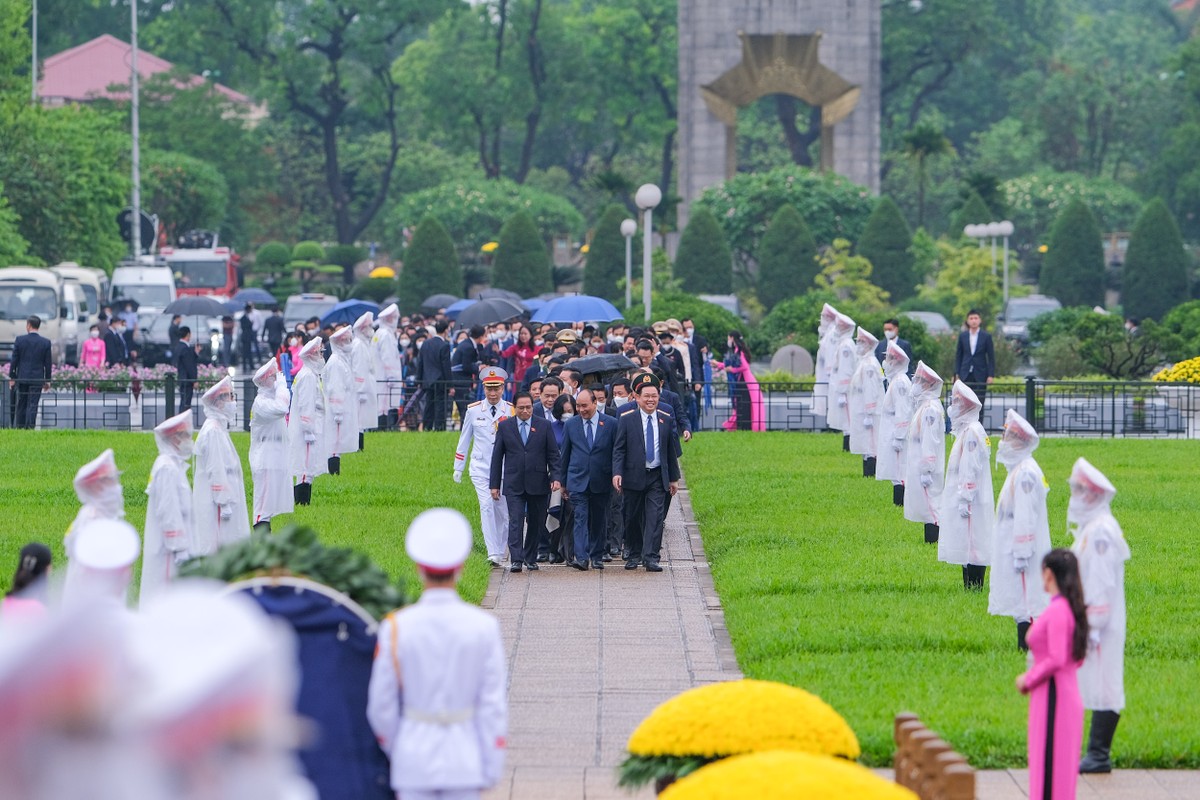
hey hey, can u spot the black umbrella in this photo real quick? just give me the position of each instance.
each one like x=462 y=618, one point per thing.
x=253 y=294
x=503 y=294
x=602 y=364
x=196 y=304
x=489 y=312
x=436 y=301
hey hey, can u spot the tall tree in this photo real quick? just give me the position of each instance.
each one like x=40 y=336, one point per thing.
x=1073 y=269
x=1155 y=277
x=606 y=256
x=185 y=192
x=922 y=143
x=430 y=265
x=886 y=242
x=703 y=262
x=787 y=258
x=522 y=260
x=975 y=211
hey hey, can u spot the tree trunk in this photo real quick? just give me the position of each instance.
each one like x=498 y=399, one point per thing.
x=798 y=143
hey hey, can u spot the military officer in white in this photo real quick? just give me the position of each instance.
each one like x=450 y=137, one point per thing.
x=273 y=493
x=479 y=425
x=436 y=700
x=1102 y=551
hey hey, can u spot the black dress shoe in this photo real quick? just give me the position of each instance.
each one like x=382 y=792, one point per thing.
x=598 y=564
x=631 y=565
x=532 y=566
x=580 y=565
x=612 y=551
x=606 y=557
x=515 y=568
x=555 y=558
x=493 y=562
x=652 y=566
x=543 y=558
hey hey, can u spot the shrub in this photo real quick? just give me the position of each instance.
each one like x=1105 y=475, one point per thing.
x=886 y=242
x=347 y=257
x=185 y=192
x=1058 y=357
x=787 y=258
x=606 y=256
x=308 y=251
x=712 y=321
x=272 y=256
x=1073 y=270
x=522 y=261
x=1035 y=200
x=430 y=266
x=973 y=212
x=703 y=261
x=376 y=289
x=1183 y=324
x=1155 y=276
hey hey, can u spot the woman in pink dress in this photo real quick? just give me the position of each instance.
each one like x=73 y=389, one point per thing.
x=522 y=354
x=26 y=600
x=1058 y=642
x=737 y=365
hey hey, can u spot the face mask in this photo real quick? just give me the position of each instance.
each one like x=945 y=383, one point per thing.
x=1009 y=452
x=620 y=401
x=666 y=348
x=689 y=332
x=94 y=334
x=419 y=343
x=405 y=342
x=566 y=416
x=889 y=335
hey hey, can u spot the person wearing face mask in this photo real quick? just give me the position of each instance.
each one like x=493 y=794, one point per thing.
x=116 y=349
x=824 y=361
x=865 y=402
x=289 y=357
x=168 y=530
x=748 y=407
x=98 y=487
x=341 y=400
x=92 y=354
x=363 y=366
x=1022 y=537
x=306 y=423
x=925 y=455
x=1102 y=551
x=844 y=361
x=891 y=333
x=268 y=447
x=967 y=513
x=219 y=495
x=389 y=364
x=895 y=417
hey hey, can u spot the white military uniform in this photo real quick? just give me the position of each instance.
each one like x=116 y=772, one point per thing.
x=436 y=699
x=219 y=514
x=895 y=417
x=967 y=515
x=1102 y=551
x=306 y=417
x=268 y=445
x=866 y=397
x=363 y=366
x=98 y=487
x=479 y=426
x=168 y=506
x=1022 y=537
x=389 y=364
x=824 y=361
x=845 y=360
x=341 y=398
x=925 y=456
x=105 y=550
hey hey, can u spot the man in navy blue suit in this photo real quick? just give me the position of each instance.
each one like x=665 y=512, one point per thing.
x=646 y=470
x=525 y=460
x=586 y=475
x=975 y=357
x=30 y=371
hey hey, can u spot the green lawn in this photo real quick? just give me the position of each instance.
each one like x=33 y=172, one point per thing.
x=368 y=507
x=827 y=587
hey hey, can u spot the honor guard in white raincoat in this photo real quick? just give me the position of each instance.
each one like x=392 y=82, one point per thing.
x=866 y=402
x=842 y=367
x=98 y=487
x=436 y=699
x=1102 y=551
x=894 y=421
x=363 y=366
x=967 y=515
x=341 y=400
x=307 y=453
x=479 y=426
x=268 y=446
x=1022 y=537
x=925 y=456
x=824 y=359
x=104 y=551
x=389 y=364
x=219 y=514
x=168 y=532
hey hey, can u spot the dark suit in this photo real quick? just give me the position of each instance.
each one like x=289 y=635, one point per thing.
x=116 y=350
x=273 y=328
x=586 y=474
x=974 y=369
x=645 y=489
x=525 y=469
x=903 y=344
x=30 y=368
x=464 y=367
x=187 y=371
x=540 y=411
x=695 y=350
x=677 y=408
x=433 y=373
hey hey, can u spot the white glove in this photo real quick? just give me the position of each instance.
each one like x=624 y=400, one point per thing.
x=1093 y=637
x=841 y=401
x=181 y=556
x=457 y=476
x=337 y=419
x=226 y=512
x=309 y=437
x=868 y=422
x=897 y=445
x=926 y=481
x=1020 y=564
x=964 y=509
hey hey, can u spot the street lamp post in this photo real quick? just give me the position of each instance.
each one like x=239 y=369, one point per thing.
x=136 y=198
x=647 y=198
x=628 y=229
x=33 y=71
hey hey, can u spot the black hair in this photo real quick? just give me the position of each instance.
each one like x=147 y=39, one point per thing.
x=645 y=344
x=517 y=397
x=476 y=331
x=1065 y=568
x=575 y=375
x=620 y=382
x=32 y=564
x=34 y=321
x=739 y=344
x=551 y=380
x=596 y=387
x=560 y=405
x=441 y=325
x=184 y=331
x=312 y=321
x=892 y=321
x=974 y=312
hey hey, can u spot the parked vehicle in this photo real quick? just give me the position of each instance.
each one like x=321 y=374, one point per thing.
x=93 y=280
x=154 y=339
x=29 y=291
x=301 y=307
x=202 y=267
x=75 y=320
x=151 y=287
x=934 y=322
x=1020 y=311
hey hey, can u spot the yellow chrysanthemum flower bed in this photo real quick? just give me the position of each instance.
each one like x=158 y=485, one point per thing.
x=1183 y=372
x=781 y=775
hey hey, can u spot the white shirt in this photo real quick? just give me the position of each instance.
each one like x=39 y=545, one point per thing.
x=652 y=459
x=974 y=337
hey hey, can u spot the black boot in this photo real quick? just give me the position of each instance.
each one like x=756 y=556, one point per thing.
x=966 y=576
x=297 y=492
x=1097 y=760
x=980 y=573
x=973 y=577
x=1022 y=629
x=362 y=441
x=931 y=533
x=262 y=527
x=898 y=494
x=382 y=422
x=335 y=465
x=303 y=494
x=846 y=443
x=869 y=467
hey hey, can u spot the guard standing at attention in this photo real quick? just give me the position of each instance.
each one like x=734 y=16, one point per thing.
x=479 y=424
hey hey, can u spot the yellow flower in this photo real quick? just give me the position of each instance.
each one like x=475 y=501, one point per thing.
x=490 y=247
x=778 y=775
x=585 y=249
x=746 y=716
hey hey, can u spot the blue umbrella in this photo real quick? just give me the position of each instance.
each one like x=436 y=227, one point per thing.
x=457 y=307
x=348 y=311
x=233 y=306
x=533 y=303
x=260 y=297
x=577 y=308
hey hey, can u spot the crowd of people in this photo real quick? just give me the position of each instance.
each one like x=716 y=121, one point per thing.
x=1068 y=605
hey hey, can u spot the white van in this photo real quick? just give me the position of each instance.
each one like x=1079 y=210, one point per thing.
x=75 y=320
x=26 y=292
x=152 y=288
x=93 y=280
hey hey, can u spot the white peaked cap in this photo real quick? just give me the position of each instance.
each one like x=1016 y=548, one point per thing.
x=844 y=324
x=926 y=375
x=866 y=337
x=220 y=387
x=102 y=466
x=897 y=352
x=364 y=323
x=313 y=345
x=180 y=423
x=1086 y=474
x=829 y=312
x=389 y=314
x=342 y=337
x=439 y=539
x=265 y=373
x=962 y=392
x=107 y=544
x=1019 y=427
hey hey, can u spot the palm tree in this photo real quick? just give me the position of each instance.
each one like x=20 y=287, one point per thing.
x=923 y=142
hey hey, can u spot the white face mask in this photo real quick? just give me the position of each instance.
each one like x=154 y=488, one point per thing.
x=405 y=342
x=889 y=334
x=620 y=401
x=94 y=334
x=566 y=416
x=689 y=332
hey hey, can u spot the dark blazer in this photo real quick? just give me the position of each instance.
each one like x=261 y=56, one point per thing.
x=629 y=450
x=526 y=468
x=672 y=367
x=979 y=367
x=585 y=469
x=464 y=363
x=697 y=344
x=31 y=358
x=116 y=351
x=433 y=362
x=881 y=352
x=186 y=361
x=678 y=409
x=540 y=411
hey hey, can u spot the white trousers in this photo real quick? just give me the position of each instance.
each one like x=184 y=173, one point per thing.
x=493 y=517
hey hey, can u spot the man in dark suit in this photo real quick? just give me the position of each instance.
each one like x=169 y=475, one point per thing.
x=525 y=460
x=552 y=387
x=646 y=470
x=273 y=329
x=464 y=367
x=30 y=371
x=116 y=349
x=975 y=357
x=674 y=405
x=698 y=352
x=891 y=331
x=186 y=367
x=433 y=373
x=586 y=475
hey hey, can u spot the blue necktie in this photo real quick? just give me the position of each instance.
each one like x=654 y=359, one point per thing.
x=524 y=433
x=649 y=439
x=589 y=433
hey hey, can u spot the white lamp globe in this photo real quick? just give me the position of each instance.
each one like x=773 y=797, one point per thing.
x=628 y=227
x=648 y=196
x=1006 y=228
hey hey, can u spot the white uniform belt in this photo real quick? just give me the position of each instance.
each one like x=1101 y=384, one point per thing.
x=443 y=718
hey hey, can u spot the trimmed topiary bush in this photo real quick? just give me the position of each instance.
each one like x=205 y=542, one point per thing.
x=308 y=251
x=886 y=242
x=787 y=258
x=703 y=262
x=973 y=212
x=430 y=266
x=522 y=260
x=1073 y=269
x=606 y=256
x=272 y=256
x=1155 y=277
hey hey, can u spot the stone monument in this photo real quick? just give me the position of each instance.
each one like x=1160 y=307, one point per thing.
x=733 y=52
